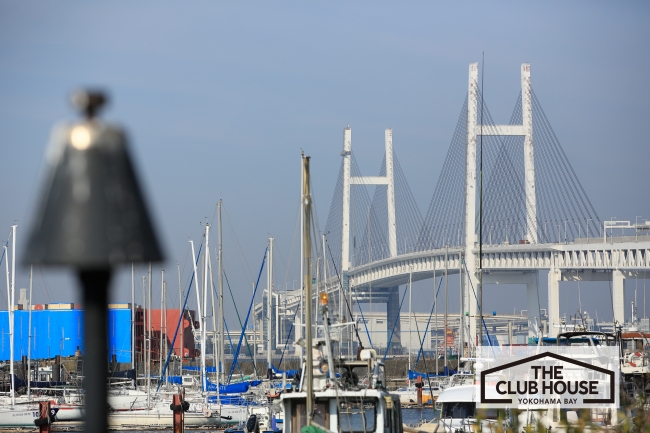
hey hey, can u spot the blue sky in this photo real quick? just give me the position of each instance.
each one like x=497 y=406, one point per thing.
x=219 y=99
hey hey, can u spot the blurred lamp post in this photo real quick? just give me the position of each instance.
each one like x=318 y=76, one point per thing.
x=92 y=217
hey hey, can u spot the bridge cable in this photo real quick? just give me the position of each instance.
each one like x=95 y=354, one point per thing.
x=560 y=150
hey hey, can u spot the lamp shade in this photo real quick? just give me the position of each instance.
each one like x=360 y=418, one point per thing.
x=92 y=212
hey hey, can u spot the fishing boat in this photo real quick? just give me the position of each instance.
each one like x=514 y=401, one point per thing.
x=634 y=345
x=325 y=401
x=345 y=408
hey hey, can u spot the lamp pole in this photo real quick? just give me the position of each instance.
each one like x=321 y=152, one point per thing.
x=92 y=217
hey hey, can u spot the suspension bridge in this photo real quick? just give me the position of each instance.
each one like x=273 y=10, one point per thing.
x=507 y=206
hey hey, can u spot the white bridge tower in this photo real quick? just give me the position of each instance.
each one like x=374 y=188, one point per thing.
x=348 y=180
x=474 y=131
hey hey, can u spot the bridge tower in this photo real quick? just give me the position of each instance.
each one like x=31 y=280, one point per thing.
x=474 y=132
x=391 y=294
x=349 y=180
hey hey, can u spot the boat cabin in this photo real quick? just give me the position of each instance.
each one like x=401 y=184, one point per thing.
x=366 y=411
x=358 y=402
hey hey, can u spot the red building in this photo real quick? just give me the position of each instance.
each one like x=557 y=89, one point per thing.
x=162 y=333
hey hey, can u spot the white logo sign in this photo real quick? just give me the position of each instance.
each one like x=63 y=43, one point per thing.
x=530 y=377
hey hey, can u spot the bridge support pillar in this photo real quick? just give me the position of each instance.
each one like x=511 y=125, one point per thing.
x=392 y=313
x=554 y=277
x=618 y=296
x=534 y=320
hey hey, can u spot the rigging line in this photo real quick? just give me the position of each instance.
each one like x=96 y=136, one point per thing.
x=365 y=324
x=240 y=250
x=47 y=292
x=250 y=353
x=424 y=358
x=417 y=358
x=281 y=257
x=232 y=348
x=482 y=319
x=183 y=271
x=293 y=244
x=347 y=303
x=1 y=258
x=392 y=331
x=288 y=337
x=180 y=320
x=250 y=306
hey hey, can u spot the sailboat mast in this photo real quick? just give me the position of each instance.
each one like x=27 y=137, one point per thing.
x=214 y=332
x=299 y=329
x=29 y=333
x=444 y=333
x=221 y=309
x=254 y=337
x=132 y=312
x=435 y=307
x=306 y=201
x=10 y=318
x=196 y=285
x=149 y=295
x=163 y=332
x=181 y=312
x=162 y=298
x=324 y=288
x=144 y=326
x=269 y=304
x=11 y=310
x=410 y=316
x=205 y=301
x=461 y=320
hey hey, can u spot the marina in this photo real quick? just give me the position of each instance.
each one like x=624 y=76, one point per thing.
x=208 y=247
x=170 y=368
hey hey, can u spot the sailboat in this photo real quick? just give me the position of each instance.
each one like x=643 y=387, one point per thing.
x=12 y=414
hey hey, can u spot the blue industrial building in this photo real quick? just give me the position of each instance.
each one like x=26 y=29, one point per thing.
x=60 y=332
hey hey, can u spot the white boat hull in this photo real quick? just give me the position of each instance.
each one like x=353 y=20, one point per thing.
x=18 y=416
x=162 y=419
